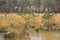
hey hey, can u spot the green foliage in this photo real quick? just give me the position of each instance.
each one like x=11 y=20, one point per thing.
x=25 y=10
x=30 y=1
x=47 y=15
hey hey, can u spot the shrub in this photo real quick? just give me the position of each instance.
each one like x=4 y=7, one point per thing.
x=47 y=20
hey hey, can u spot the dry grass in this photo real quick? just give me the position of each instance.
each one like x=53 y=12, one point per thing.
x=17 y=19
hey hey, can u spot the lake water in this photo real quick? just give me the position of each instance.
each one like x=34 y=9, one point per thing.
x=41 y=36
x=1 y=37
x=45 y=36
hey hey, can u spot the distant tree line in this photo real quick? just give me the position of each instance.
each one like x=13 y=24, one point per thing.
x=34 y=5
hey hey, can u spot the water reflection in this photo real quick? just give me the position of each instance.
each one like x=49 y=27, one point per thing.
x=1 y=37
x=44 y=36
